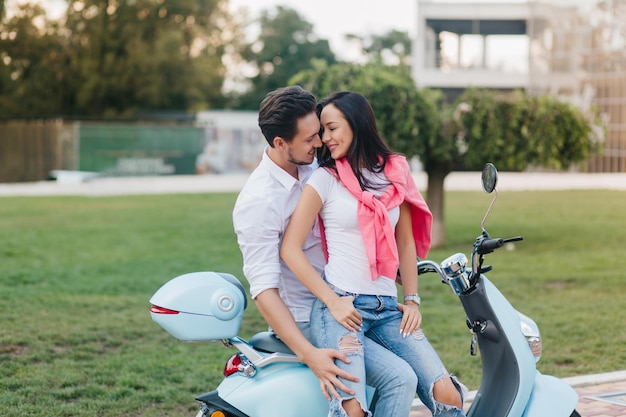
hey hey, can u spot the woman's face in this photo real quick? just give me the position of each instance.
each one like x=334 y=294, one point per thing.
x=337 y=135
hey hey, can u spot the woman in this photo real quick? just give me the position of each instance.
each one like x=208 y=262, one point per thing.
x=374 y=223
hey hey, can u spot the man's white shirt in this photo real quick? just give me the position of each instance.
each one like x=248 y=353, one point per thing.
x=260 y=217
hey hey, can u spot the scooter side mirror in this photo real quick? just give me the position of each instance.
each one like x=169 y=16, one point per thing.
x=489 y=180
x=489 y=177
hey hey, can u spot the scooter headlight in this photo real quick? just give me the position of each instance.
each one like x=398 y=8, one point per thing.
x=530 y=330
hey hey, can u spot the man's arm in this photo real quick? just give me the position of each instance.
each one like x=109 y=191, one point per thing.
x=258 y=225
x=320 y=361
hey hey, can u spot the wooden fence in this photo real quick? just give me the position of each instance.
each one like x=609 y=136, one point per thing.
x=30 y=150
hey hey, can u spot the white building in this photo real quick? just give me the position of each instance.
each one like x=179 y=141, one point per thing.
x=571 y=48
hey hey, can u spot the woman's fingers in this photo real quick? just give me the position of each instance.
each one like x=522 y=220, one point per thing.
x=411 y=320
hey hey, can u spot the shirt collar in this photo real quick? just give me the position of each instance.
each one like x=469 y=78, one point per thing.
x=283 y=177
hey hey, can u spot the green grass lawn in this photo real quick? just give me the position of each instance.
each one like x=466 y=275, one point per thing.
x=77 y=274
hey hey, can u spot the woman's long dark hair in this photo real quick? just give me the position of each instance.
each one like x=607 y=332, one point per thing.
x=368 y=150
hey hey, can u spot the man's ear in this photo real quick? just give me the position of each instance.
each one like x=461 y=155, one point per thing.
x=279 y=143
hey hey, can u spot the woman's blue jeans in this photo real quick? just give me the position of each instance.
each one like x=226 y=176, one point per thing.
x=381 y=324
x=392 y=377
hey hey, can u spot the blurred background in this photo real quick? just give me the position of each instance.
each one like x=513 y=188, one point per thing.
x=170 y=87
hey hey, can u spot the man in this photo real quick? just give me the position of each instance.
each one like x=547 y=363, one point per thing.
x=289 y=123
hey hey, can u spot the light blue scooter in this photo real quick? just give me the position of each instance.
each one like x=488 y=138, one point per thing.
x=265 y=379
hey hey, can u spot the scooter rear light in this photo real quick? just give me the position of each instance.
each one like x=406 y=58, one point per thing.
x=232 y=365
x=161 y=310
x=239 y=363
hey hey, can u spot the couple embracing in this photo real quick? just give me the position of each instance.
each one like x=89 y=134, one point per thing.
x=327 y=223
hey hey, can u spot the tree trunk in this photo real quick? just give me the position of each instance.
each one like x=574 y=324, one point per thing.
x=435 y=201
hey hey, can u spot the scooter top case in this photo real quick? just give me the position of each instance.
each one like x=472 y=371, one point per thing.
x=200 y=306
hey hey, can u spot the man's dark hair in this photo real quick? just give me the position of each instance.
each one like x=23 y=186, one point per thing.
x=280 y=110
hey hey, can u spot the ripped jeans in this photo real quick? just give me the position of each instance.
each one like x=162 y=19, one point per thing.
x=381 y=323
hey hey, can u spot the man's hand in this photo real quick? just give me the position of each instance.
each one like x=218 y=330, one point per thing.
x=322 y=363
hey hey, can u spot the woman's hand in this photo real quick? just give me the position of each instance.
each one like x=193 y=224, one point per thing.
x=344 y=312
x=411 y=318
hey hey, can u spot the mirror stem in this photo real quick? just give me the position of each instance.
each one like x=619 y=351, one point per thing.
x=482 y=224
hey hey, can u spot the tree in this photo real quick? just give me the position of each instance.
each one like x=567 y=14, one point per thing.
x=285 y=46
x=513 y=130
x=145 y=55
x=32 y=65
x=107 y=58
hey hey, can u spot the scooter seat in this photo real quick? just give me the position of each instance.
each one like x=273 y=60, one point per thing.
x=269 y=342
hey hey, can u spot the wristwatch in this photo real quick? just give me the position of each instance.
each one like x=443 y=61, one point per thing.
x=413 y=297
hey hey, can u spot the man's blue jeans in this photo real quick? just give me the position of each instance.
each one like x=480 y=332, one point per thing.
x=381 y=324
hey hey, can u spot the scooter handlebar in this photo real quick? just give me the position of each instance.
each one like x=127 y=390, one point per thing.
x=489 y=245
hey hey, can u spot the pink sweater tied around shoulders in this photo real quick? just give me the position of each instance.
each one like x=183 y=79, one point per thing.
x=378 y=235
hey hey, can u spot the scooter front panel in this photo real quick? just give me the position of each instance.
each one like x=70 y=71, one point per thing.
x=508 y=365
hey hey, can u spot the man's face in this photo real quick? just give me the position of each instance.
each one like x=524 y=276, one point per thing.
x=301 y=150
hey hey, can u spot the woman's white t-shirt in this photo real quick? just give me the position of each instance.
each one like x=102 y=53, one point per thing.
x=348 y=266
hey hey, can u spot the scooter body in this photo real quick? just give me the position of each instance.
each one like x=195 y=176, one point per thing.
x=265 y=379
x=512 y=385
x=285 y=389
x=509 y=342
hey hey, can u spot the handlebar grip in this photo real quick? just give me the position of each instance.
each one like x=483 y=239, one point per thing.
x=489 y=245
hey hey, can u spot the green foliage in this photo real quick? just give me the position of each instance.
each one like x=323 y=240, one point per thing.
x=439 y=152
x=285 y=46
x=109 y=59
x=32 y=63
x=144 y=55
x=514 y=130
x=517 y=130
x=78 y=273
